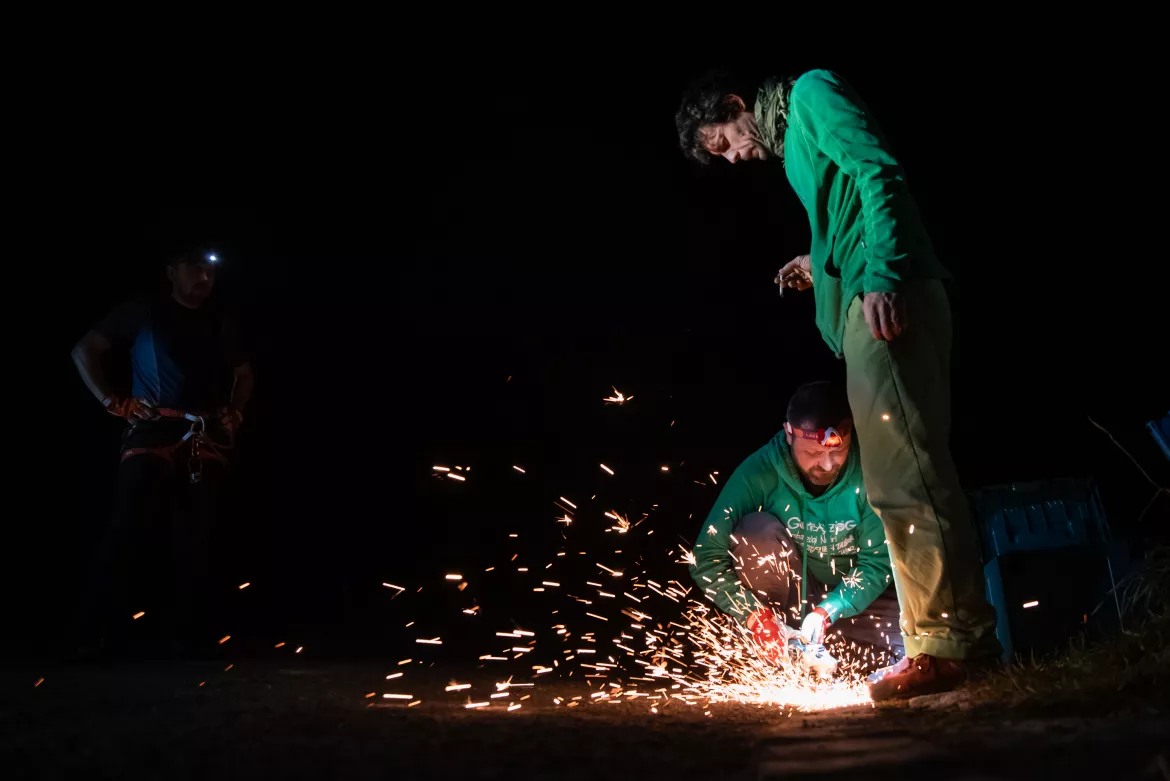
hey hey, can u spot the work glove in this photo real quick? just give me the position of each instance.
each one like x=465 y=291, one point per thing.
x=770 y=636
x=130 y=409
x=796 y=273
x=815 y=627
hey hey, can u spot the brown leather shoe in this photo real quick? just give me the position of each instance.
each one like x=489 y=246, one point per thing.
x=924 y=674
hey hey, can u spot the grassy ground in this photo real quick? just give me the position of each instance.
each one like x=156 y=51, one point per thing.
x=1130 y=670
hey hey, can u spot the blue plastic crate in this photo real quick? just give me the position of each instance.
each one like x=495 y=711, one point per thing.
x=1038 y=516
x=1160 y=430
x=1031 y=518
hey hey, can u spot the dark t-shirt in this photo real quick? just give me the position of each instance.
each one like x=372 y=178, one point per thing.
x=180 y=358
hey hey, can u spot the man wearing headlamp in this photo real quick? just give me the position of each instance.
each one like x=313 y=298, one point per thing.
x=792 y=541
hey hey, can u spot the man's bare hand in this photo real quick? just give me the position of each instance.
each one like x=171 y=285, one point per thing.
x=230 y=418
x=885 y=314
x=131 y=409
x=796 y=273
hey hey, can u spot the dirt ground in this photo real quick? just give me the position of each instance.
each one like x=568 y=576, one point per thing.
x=268 y=720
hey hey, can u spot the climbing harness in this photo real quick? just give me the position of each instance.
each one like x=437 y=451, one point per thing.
x=202 y=446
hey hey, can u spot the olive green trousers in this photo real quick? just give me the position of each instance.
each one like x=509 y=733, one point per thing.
x=900 y=395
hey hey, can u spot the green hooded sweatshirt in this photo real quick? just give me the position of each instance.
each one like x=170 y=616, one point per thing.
x=867 y=236
x=838 y=536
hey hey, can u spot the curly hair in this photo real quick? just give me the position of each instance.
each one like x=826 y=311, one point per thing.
x=705 y=103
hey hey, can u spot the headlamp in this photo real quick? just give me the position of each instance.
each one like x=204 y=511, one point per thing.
x=825 y=437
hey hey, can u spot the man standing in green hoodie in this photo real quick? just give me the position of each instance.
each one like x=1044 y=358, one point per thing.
x=880 y=304
x=792 y=522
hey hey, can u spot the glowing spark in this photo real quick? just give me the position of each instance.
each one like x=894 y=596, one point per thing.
x=615 y=573
x=299 y=649
x=665 y=469
x=489 y=569
x=853 y=579
x=713 y=480
x=405 y=661
x=230 y=666
x=397 y=696
x=618 y=397
x=623 y=524
x=432 y=641
x=944 y=615
x=392 y=676
x=371 y=694
x=712 y=530
x=39 y=682
x=514 y=706
x=457 y=686
x=566 y=501
x=513 y=535
x=412 y=704
x=441 y=468
x=408 y=626
x=476 y=704
x=885 y=417
x=607 y=469
x=453 y=577
x=911 y=528
x=522 y=569
x=594 y=615
x=224 y=639
x=391 y=585
x=491 y=658
x=454 y=476
x=518 y=469
x=278 y=645
x=139 y=614
x=522 y=649
x=1033 y=603
x=549 y=583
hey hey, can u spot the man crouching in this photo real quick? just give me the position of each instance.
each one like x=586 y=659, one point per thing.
x=792 y=541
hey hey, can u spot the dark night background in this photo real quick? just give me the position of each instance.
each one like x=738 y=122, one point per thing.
x=401 y=246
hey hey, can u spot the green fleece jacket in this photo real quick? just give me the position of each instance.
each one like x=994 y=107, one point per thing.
x=838 y=536
x=867 y=236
